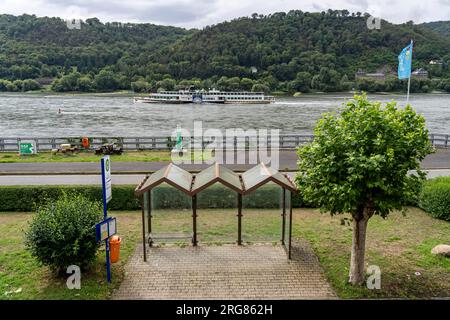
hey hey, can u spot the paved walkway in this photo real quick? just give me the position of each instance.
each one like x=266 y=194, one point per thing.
x=224 y=272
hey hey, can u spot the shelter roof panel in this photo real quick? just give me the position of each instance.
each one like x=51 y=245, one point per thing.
x=173 y=175
x=217 y=173
x=261 y=174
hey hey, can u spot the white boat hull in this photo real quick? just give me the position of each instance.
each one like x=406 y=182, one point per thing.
x=199 y=97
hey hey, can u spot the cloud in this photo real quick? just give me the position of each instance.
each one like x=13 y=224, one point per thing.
x=199 y=13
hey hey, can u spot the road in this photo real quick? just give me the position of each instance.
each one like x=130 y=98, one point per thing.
x=287 y=162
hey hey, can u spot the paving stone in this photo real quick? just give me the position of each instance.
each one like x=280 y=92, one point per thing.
x=224 y=272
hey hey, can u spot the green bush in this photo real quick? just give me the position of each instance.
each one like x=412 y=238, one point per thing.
x=28 y=198
x=62 y=232
x=435 y=198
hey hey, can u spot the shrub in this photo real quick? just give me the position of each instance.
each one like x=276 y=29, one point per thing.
x=435 y=198
x=30 y=85
x=28 y=198
x=62 y=232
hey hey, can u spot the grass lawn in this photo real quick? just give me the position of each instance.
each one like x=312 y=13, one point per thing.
x=128 y=156
x=400 y=246
x=19 y=270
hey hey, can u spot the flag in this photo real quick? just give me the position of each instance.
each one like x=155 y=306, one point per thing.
x=404 y=62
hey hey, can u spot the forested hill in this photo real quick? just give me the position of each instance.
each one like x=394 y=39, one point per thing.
x=295 y=51
x=34 y=47
x=286 y=43
x=442 y=27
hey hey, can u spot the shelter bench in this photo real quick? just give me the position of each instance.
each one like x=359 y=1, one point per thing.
x=169 y=236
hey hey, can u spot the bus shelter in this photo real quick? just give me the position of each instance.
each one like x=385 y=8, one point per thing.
x=192 y=184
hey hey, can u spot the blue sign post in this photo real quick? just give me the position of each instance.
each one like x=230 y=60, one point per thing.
x=107 y=227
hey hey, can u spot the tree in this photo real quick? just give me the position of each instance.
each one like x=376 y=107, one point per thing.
x=67 y=83
x=327 y=80
x=246 y=84
x=30 y=85
x=85 y=84
x=346 y=84
x=166 y=84
x=260 y=87
x=358 y=163
x=105 y=80
x=140 y=86
x=4 y=84
x=302 y=83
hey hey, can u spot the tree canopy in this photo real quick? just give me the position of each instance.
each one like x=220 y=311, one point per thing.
x=293 y=51
x=358 y=163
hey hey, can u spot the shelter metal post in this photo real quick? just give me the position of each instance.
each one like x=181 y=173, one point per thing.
x=143 y=228
x=149 y=211
x=239 y=205
x=283 y=217
x=194 y=220
x=290 y=225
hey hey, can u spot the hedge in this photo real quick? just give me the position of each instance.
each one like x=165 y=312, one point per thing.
x=435 y=197
x=28 y=198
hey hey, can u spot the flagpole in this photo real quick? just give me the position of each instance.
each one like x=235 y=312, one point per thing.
x=409 y=85
x=410 y=73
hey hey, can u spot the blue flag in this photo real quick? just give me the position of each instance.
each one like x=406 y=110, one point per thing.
x=404 y=62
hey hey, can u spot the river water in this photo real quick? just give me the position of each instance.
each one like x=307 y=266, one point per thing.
x=36 y=115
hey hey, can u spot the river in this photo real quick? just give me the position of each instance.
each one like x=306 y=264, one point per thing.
x=36 y=115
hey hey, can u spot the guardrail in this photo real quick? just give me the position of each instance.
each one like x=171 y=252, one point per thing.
x=168 y=143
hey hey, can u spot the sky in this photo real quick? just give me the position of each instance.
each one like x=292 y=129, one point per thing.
x=200 y=13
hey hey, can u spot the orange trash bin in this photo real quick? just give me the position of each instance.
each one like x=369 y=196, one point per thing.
x=85 y=142
x=114 y=248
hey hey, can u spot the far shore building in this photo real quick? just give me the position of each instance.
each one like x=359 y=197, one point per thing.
x=379 y=76
x=420 y=74
x=436 y=62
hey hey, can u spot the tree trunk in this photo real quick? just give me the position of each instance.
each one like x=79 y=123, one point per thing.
x=357 y=270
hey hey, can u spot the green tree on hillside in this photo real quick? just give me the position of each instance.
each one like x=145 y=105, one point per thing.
x=106 y=80
x=327 y=80
x=301 y=83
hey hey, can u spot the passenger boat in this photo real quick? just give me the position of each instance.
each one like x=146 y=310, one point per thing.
x=202 y=96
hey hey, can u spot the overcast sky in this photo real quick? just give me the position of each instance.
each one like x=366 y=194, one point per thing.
x=199 y=13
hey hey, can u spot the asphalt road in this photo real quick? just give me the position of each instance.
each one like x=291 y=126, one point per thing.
x=287 y=162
